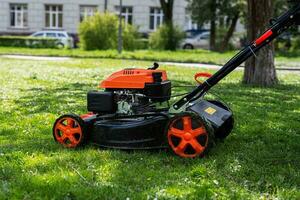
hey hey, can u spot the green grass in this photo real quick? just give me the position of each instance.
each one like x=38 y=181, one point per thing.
x=194 y=56
x=260 y=159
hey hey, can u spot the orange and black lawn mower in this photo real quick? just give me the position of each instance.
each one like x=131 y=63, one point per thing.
x=128 y=112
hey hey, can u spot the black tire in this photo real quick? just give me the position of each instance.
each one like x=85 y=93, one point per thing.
x=60 y=45
x=188 y=46
x=226 y=128
x=58 y=134
x=209 y=140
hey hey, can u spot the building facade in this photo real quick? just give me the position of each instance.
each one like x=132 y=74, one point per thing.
x=28 y=16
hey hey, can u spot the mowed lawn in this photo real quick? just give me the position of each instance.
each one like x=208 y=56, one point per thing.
x=260 y=159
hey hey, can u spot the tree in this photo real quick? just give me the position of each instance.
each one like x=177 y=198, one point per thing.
x=167 y=7
x=260 y=70
x=232 y=10
x=204 y=11
x=215 y=12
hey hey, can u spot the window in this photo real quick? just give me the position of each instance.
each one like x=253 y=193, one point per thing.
x=54 y=16
x=61 y=35
x=53 y=35
x=156 y=18
x=39 y=35
x=127 y=13
x=87 y=11
x=205 y=36
x=18 y=15
x=190 y=24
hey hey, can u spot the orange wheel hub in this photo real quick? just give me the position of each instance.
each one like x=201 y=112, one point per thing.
x=68 y=132
x=187 y=136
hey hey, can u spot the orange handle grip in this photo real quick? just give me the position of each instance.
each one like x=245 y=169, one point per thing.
x=201 y=74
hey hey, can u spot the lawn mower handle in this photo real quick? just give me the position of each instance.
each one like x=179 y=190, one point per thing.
x=278 y=26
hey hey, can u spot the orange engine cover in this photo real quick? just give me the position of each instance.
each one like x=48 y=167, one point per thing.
x=131 y=78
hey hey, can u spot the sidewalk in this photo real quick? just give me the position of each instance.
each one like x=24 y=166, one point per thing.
x=197 y=65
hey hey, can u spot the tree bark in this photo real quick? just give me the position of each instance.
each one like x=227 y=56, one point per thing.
x=167 y=7
x=213 y=25
x=260 y=70
x=212 y=40
x=230 y=32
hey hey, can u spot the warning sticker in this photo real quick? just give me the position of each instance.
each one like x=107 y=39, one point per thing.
x=210 y=110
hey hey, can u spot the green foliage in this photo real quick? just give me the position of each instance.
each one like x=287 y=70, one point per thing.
x=295 y=44
x=259 y=160
x=32 y=42
x=142 y=43
x=130 y=37
x=101 y=32
x=160 y=38
x=206 y=10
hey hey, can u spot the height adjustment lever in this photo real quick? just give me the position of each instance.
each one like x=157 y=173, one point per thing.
x=155 y=66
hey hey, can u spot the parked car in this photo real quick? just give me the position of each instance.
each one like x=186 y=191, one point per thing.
x=197 y=41
x=63 y=38
x=190 y=33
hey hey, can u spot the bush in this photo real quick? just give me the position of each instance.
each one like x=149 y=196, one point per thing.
x=295 y=44
x=130 y=36
x=160 y=38
x=32 y=42
x=101 y=32
x=142 y=43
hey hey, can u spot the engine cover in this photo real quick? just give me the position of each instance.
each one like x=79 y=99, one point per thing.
x=133 y=79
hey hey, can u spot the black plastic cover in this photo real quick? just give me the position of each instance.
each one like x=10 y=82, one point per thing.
x=101 y=102
x=298 y=19
x=213 y=113
x=159 y=91
x=135 y=133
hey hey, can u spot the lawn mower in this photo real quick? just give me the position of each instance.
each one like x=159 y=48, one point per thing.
x=129 y=111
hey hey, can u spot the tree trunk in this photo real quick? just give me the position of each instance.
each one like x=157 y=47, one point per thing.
x=260 y=70
x=213 y=25
x=212 y=41
x=230 y=32
x=167 y=7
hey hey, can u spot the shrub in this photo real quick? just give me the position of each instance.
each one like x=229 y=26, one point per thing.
x=295 y=44
x=32 y=42
x=130 y=36
x=142 y=43
x=160 y=38
x=101 y=32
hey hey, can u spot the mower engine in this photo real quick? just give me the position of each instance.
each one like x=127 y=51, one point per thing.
x=130 y=92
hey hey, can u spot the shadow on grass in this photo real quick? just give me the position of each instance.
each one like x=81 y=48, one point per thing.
x=261 y=155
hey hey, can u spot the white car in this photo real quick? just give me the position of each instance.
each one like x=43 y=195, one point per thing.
x=198 y=41
x=63 y=38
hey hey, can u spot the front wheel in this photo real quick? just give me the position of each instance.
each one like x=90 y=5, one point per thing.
x=189 y=135
x=60 y=45
x=69 y=130
x=188 y=46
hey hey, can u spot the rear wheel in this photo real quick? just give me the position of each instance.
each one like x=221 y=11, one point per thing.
x=69 y=130
x=188 y=46
x=189 y=135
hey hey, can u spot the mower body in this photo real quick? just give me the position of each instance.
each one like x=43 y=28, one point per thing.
x=135 y=123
